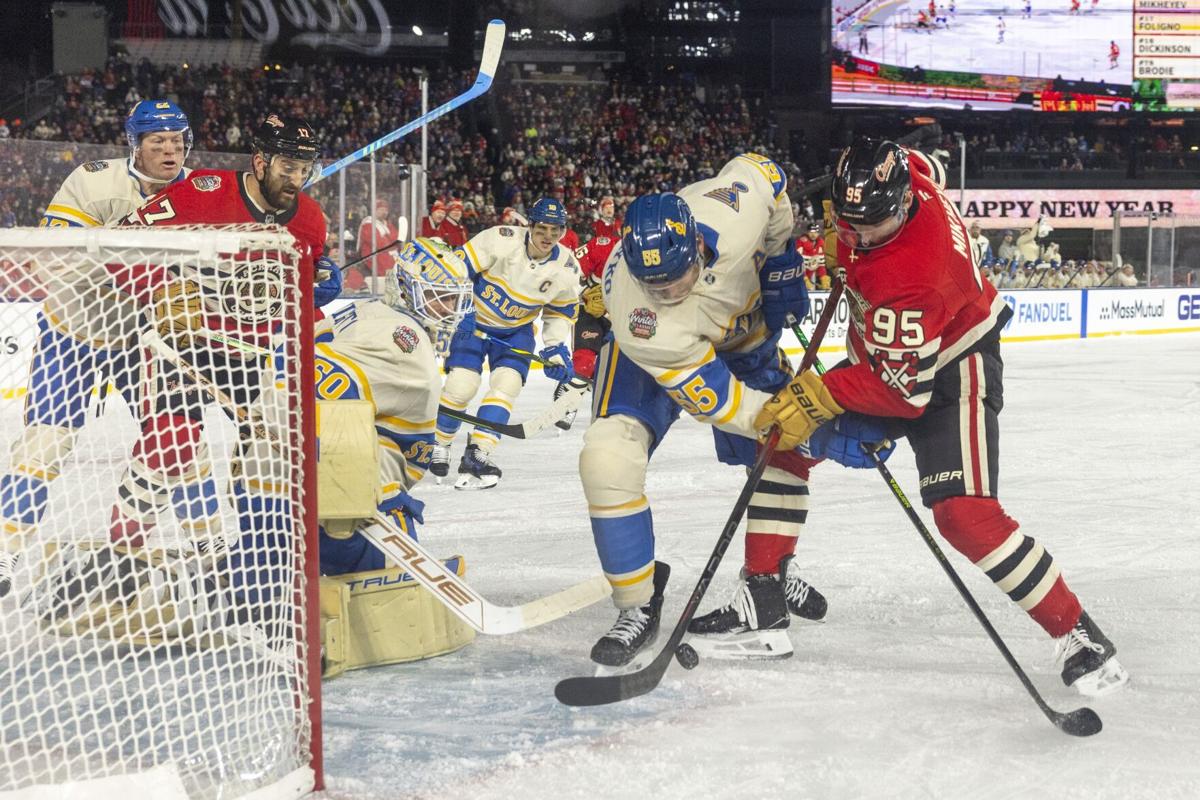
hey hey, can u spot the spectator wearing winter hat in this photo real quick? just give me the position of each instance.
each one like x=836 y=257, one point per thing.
x=1007 y=250
x=607 y=223
x=431 y=223
x=452 y=231
x=377 y=231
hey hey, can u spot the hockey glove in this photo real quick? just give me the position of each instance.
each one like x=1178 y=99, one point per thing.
x=799 y=409
x=178 y=309
x=329 y=285
x=465 y=331
x=783 y=290
x=842 y=441
x=559 y=369
x=404 y=509
x=593 y=300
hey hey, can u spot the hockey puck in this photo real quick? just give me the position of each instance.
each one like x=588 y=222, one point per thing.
x=687 y=656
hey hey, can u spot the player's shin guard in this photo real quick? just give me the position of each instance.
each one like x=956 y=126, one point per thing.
x=457 y=392
x=979 y=529
x=612 y=466
x=497 y=405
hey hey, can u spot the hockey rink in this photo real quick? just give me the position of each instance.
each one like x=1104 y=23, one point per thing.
x=1050 y=43
x=898 y=694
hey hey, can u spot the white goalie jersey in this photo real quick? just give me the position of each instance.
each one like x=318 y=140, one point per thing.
x=745 y=217
x=372 y=352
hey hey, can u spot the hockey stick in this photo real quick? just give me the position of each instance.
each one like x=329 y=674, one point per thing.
x=1080 y=722
x=568 y=401
x=493 y=44
x=517 y=351
x=595 y=690
x=467 y=604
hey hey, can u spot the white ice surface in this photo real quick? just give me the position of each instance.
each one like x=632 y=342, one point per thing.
x=899 y=694
x=1051 y=43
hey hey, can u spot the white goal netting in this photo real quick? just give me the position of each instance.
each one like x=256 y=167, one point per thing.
x=152 y=475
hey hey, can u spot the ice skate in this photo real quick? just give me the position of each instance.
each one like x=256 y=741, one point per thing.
x=476 y=470
x=803 y=599
x=1088 y=659
x=754 y=623
x=568 y=419
x=8 y=569
x=439 y=462
x=626 y=646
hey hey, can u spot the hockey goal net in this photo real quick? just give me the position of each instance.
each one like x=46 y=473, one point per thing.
x=158 y=619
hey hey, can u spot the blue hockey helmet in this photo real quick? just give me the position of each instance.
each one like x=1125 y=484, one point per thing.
x=658 y=241
x=153 y=116
x=549 y=211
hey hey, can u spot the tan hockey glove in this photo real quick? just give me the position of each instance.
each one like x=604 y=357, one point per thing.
x=593 y=300
x=824 y=282
x=799 y=408
x=178 y=309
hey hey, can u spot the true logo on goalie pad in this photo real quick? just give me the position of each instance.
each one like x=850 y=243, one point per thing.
x=207 y=183
x=405 y=338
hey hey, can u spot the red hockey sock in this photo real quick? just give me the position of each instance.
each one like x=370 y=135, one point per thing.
x=764 y=551
x=978 y=528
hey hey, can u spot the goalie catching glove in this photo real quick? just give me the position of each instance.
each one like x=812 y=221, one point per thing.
x=593 y=300
x=799 y=409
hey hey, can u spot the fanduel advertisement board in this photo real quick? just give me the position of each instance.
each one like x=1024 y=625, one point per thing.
x=1043 y=314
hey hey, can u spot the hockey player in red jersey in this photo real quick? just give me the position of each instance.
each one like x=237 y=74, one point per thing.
x=924 y=345
x=592 y=325
x=812 y=248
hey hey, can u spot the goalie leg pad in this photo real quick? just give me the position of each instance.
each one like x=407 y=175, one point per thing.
x=457 y=392
x=503 y=387
x=612 y=466
x=385 y=617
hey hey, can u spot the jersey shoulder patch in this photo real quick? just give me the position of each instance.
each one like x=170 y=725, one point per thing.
x=405 y=338
x=207 y=183
x=506 y=231
x=95 y=166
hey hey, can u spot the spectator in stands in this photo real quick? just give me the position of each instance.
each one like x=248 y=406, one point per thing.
x=431 y=223
x=607 y=223
x=1125 y=276
x=452 y=231
x=376 y=231
x=979 y=244
x=1007 y=251
x=1022 y=276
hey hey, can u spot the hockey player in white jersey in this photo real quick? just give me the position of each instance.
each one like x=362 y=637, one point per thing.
x=698 y=292
x=83 y=339
x=519 y=274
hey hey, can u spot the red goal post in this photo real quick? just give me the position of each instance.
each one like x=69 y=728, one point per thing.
x=183 y=662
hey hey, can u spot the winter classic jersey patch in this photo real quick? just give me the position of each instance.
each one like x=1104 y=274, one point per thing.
x=643 y=323
x=405 y=338
x=207 y=183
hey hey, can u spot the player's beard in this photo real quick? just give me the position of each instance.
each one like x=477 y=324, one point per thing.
x=279 y=193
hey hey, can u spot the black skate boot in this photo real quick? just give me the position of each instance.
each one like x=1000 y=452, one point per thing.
x=476 y=470
x=1088 y=660
x=803 y=599
x=439 y=462
x=8 y=567
x=635 y=628
x=753 y=625
x=568 y=419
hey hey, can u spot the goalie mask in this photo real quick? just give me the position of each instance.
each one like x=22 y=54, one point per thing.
x=430 y=281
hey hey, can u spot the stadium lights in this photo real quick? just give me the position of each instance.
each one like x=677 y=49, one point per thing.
x=416 y=29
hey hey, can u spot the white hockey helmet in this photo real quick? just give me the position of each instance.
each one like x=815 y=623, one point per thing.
x=431 y=281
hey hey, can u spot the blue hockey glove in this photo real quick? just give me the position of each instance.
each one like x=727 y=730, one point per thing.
x=330 y=287
x=405 y=509
x=464 y=332
x=560 y=370
x=842 y=440
x=783 y=289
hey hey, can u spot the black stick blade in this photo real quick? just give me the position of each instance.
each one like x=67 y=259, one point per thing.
x=1080 y=722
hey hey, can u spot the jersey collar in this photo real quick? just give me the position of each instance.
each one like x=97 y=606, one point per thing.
x=257 y=213
x=137 y=182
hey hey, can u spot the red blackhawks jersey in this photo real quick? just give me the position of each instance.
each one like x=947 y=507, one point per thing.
x=218 y=197
x=594 y=255
x=916 y=304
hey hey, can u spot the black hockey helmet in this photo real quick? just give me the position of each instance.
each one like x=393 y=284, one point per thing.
x=871 y=187
x=292 y=137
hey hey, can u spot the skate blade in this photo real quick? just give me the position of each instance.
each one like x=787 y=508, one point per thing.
x=470 y=482
x=1104 y=681
x=751 y=645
